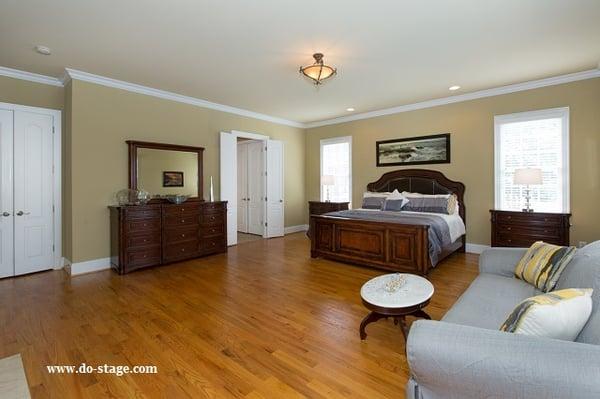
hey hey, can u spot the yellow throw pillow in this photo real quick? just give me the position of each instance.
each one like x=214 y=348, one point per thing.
x=542 y=264
x=559 y=314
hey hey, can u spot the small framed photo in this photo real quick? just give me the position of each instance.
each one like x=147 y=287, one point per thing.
x=414 y=150
x=172 y=179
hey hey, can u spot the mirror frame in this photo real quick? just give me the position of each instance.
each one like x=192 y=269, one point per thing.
x=133 y=160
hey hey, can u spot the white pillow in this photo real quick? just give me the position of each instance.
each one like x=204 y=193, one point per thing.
x=558 y=314
x=374 y=194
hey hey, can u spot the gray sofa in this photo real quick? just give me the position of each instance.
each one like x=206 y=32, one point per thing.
x=466 y=356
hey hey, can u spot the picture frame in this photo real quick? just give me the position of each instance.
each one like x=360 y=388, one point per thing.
x=420 y=150
x=173 y=179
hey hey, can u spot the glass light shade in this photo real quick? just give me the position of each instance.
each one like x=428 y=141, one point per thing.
x=528 y=176
x=318 y=71
x=327 y=180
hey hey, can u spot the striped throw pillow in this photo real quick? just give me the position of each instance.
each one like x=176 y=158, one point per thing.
x=542 y=265
x=559 y=314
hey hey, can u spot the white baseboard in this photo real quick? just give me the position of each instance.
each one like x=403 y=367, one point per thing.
x=295 y=229
x=89 y=266
x=475 y=248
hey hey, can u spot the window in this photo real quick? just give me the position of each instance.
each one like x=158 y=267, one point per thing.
x=538 y=139
x=336 y=161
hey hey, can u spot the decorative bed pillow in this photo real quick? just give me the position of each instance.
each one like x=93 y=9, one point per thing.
x=560 y=314
x=447 y=201
x=373 y=202
x=395 y=201
x=542 y=264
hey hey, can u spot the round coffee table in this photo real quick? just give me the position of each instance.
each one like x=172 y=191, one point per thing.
x=409 y=299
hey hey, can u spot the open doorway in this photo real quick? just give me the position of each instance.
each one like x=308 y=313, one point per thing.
x=250 y=192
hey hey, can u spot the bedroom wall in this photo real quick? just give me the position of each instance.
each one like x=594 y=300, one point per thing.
x=102 y=118
x=471 y=125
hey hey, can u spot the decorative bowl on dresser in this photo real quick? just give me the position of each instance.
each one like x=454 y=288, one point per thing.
x=521 y=229
x=156 y=234
x=321 y=207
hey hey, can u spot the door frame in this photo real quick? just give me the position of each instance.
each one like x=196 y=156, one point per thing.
x=57 y=172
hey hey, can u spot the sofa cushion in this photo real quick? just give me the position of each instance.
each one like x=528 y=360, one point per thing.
x=584 y=272
x=489 y=300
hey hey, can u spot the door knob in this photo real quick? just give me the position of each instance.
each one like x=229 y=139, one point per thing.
x=5 y=214
x=21 y=213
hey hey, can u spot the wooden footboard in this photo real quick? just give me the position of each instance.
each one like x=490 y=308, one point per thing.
x=389 y=246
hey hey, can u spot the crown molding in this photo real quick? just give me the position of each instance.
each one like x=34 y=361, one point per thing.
x=167 y=95
x=513 y=88
x=32 y=77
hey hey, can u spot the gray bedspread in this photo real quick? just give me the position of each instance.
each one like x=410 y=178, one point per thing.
x=439 y=233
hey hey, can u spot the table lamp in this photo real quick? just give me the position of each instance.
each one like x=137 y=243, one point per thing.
x=327 y=181
x=527 y=177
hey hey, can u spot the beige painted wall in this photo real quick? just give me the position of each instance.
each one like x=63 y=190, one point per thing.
x=152 y=163
x=103 y=118
x=472 y=127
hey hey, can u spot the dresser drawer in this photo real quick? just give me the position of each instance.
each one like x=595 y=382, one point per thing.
x=143 y=239
x=147 y=256
x=188 y=219
x=211 y=219
x=213 y=231
x=181 y=210
x=181 y=234
x=528 y=219
x=142 y=226
x=213 y=207
x=180 y=251
x=528 y=230
x=143 y=212
x=213 y=245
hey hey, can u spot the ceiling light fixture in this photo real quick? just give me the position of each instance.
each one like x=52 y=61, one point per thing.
x=43 y=50
x=318 y=71
x=350 y=109
x=453 y=88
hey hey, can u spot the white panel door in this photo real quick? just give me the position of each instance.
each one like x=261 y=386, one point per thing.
x=255 y=187
x=274 y=179
x=33 y=192
x=229 y=183
x=242 y=194
x=6 y=194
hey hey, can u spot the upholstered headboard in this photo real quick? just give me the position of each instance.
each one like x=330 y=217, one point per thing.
x=422 y=181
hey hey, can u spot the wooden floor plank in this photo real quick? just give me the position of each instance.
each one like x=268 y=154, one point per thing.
x=262 y=321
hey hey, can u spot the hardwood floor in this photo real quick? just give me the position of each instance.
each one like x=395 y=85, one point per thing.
x=263 y=321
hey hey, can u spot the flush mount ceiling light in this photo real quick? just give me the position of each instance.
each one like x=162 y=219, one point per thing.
x=350 y=109
x=318 y=71
x=453 y=88
x=43 y=50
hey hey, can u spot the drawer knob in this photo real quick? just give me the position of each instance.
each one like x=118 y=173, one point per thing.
x=213 y=244
x=145 y=256
x=183 y=235
x=145 y=240
x=509 y=240
x=545 y=219
x=182 y=220
x=145 y=225
x=509 y=228
x=182 y=249
x=182 y=209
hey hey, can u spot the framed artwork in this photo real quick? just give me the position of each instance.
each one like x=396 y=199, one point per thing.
x=172 y=179
x=414 y=150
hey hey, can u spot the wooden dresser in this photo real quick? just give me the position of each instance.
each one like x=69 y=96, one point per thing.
x=521 y=229
x=321 y=207
x=155 y=234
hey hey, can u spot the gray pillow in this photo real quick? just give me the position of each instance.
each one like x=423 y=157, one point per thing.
x=393 y=204
x=373 y=202
x=427 y=204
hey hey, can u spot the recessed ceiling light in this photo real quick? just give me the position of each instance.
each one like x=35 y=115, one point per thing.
x=43 y=50
x=453 y=88
x=350 y=109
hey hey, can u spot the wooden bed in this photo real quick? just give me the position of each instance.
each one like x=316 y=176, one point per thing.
x=385 y=245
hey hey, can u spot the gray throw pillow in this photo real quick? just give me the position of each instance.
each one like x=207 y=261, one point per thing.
x=373 y=202
x=427 y=204
x=394 y=204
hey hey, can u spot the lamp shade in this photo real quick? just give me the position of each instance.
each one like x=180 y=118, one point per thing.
x=528 y=176
x=327 y=180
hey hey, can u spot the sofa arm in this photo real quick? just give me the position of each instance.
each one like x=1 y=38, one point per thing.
x=453 y=361
x=500 y=261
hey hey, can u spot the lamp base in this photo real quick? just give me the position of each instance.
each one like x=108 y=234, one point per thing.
x=527 y=210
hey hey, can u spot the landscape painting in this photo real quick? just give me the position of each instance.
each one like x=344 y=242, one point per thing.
x=414 y=150
x=172 y=179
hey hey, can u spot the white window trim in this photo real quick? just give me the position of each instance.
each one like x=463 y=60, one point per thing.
x=335 y=140
x=562 y=113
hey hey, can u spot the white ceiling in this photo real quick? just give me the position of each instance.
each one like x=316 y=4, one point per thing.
x=246 y=54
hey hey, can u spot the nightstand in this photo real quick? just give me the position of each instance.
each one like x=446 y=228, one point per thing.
x=521 y=229
x=321 y=207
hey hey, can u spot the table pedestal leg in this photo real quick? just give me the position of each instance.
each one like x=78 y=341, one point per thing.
x=370 y=318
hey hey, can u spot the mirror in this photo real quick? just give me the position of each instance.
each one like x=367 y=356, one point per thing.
x=164 y=169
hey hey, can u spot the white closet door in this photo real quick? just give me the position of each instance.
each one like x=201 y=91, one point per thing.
x=255 y=188
x=242 y=178
x=33 y=189
x=229 y=183
x=275 y=199
x=6 y=194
